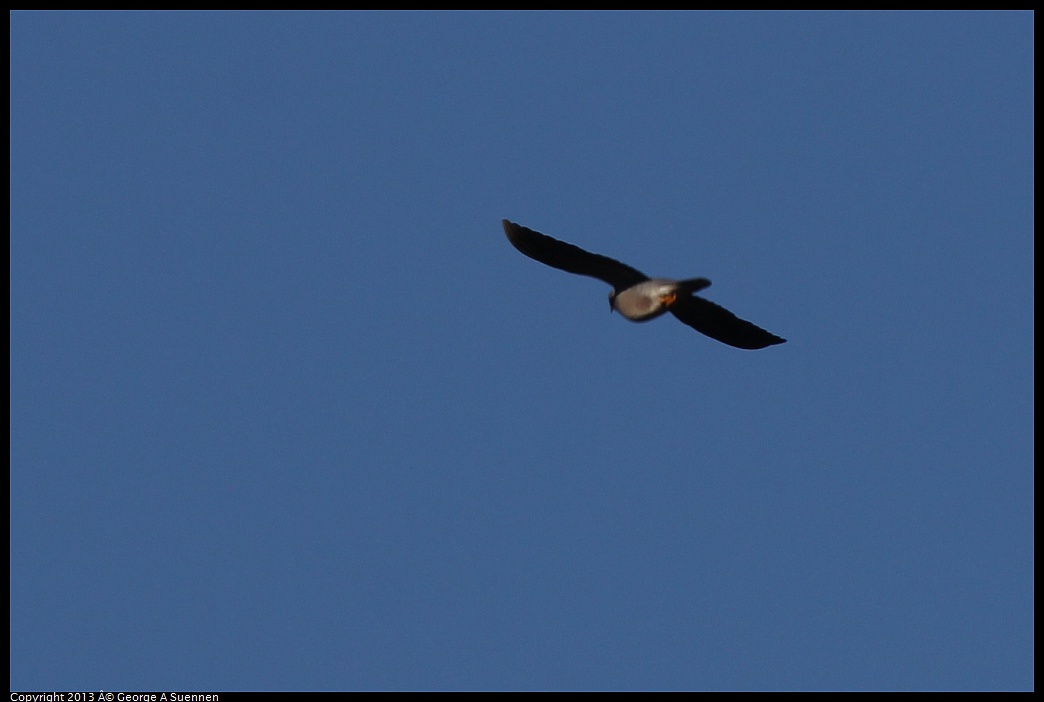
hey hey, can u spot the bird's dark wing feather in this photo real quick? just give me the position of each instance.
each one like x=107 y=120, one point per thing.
x=571 y=259
x=718 y=323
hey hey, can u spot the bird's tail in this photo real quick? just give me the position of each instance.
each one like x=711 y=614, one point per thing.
x=694 y=284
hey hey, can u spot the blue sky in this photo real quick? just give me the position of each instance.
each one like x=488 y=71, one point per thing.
x=289 y=412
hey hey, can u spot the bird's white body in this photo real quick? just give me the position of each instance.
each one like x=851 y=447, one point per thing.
x=645 y=301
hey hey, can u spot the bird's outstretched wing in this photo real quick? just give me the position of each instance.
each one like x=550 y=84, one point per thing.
x=718 y=323
x=572 y=259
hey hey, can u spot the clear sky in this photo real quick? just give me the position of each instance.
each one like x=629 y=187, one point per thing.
x=289 y=412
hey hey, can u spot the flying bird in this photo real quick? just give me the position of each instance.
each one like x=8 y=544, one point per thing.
x=640 y=298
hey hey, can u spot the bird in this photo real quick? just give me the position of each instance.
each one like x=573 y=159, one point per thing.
x=638 y=297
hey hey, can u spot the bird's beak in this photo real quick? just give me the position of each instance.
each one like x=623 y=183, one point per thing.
x=668 y=299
